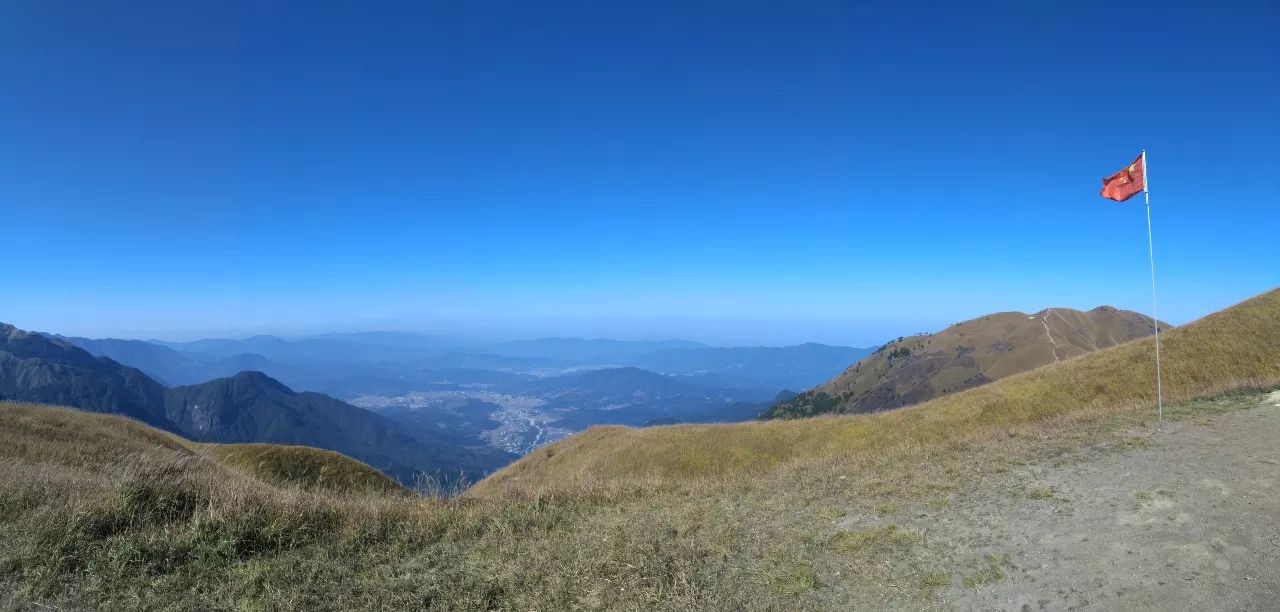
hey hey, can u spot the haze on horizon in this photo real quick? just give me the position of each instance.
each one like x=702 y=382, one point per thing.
x=708 y=331
x=725 y=172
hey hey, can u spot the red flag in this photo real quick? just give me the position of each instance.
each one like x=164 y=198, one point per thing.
x=1126 y=183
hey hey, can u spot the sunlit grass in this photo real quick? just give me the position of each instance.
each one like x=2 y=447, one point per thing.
x=100 y=512
x=1228 y=350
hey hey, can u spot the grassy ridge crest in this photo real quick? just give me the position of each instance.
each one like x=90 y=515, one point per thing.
x=94 y=441
x=1236 y=347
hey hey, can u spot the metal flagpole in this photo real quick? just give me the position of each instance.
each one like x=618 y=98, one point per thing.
x=1155 y=317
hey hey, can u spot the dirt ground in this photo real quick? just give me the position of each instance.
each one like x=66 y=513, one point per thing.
x=1187 y=518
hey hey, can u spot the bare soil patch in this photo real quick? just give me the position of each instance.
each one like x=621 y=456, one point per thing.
x=1185 y=518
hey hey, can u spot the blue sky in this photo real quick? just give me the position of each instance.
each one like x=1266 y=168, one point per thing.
x=735 y=172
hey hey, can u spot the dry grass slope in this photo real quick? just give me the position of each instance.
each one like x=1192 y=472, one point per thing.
x=91 y=442
x=1237 y=347
x=916 y=369
x=97 y=512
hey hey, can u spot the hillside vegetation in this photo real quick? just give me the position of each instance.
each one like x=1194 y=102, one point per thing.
x=95 y=444
x=302 y=466
x=100 y=512
x=967 y=354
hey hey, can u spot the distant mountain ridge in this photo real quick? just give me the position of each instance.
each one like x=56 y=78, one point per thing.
x=628 y=379
x=779 y=367
x=417 y=381
x=246 y=407
x=596 y=351
x=915 y=369
x=35 y=368
x=637 y=397
x=348 y=365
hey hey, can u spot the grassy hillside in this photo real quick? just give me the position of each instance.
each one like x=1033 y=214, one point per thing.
x=968 y=354
x=98 y=512
x=302 y=466
x=1236 y=347
x=99 y=443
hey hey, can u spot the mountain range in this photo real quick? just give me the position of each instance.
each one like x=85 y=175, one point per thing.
x=632 y=396
x=246 y=407
x=34 y=368
x=350 y=365
x=844 y=512
x=490 y=403
x=436 y=404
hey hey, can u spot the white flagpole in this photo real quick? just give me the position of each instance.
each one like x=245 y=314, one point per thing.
x=1155 y=317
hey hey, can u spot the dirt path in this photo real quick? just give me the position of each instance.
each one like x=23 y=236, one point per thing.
x=1044 y=320
x=1187 y=519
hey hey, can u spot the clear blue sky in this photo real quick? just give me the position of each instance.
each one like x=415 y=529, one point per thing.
x=729 y=171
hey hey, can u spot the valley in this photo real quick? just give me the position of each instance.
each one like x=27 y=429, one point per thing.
x=517 y=423
x=457 y=410
x=411 y=405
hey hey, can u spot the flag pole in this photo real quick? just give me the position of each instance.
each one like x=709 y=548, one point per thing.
x=1155 y=317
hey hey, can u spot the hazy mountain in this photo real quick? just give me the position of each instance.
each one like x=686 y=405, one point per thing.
x=694 y=382
x=297 y=351
x=171 y=367
x=760 y=367
x=489 y=361
x=632 y=396
x=918 y=368
x=616 y=382
x=355 y=381
x=334 y=376
x=591 y=352
x=162 y=363
x=408 y=340
x=37 y=368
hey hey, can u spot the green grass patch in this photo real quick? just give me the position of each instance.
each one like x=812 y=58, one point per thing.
x=935 y=579
x=875 y=541
x=992 y=570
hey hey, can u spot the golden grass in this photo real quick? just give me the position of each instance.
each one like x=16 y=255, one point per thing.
x=91 y=442
x=97 y=512
x=131 y=519
x=1233 y=348
x=100 y=512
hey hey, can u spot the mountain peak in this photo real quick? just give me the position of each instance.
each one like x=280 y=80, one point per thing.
x=258 y=379
x=914 y=369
